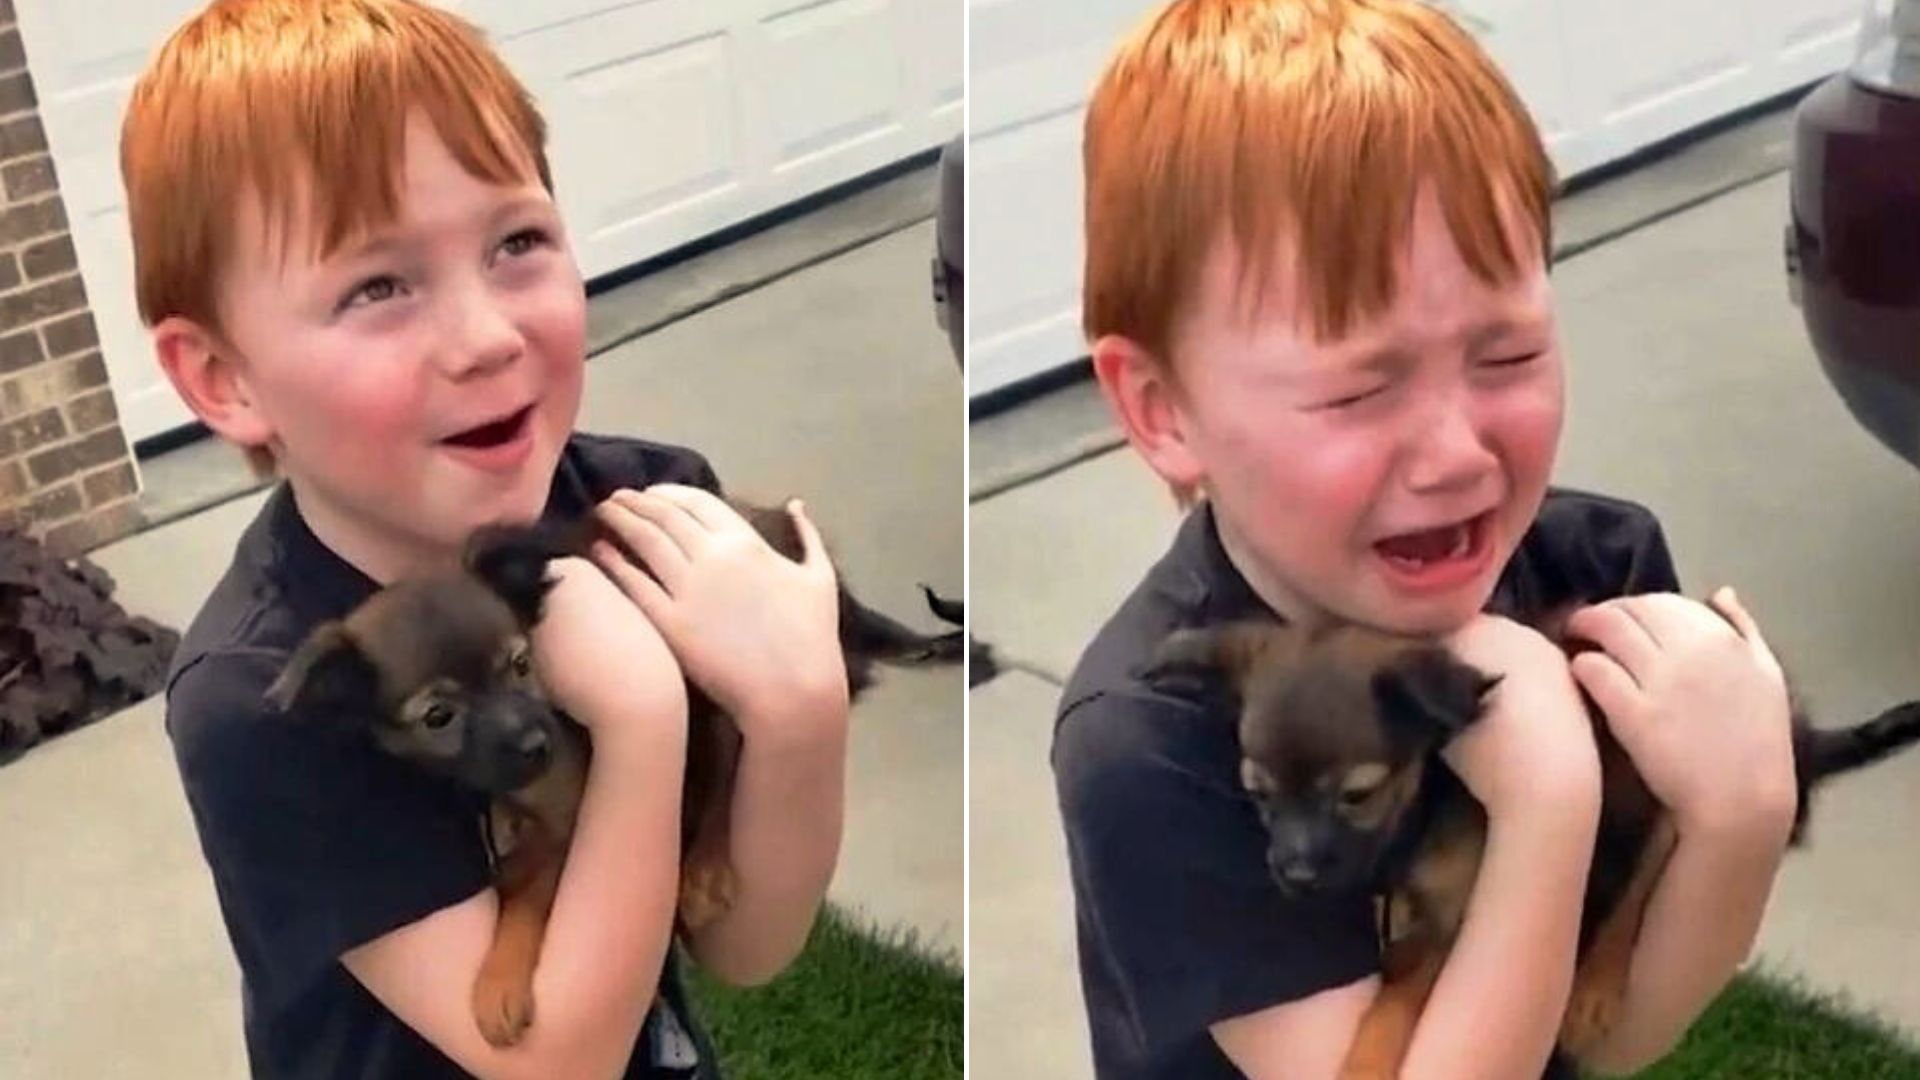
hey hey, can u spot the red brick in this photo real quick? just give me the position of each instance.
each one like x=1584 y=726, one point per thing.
x=32 y=221
x=95 y=410
x=70 y=335
x=16 y=94
x=13 y=481
x=51 y=383
x=102 y=525
x=44 y=301
x=107 y=485
x=21 y=137
x=56 y=503
x=51 y=466
x=19 y=350
x=49 y=257
x=25 y=179
x=32 y=432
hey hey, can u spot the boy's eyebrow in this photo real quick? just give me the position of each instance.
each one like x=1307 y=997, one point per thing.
x=388 y=239
x=1501 y=328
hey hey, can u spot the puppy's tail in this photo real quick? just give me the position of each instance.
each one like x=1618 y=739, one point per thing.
x=1820 y=754
x=873 y=636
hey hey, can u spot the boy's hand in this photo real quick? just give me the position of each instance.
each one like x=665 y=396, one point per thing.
x=1531 y=753
x=1698 y=702
x=756 y=630
x=597 y=656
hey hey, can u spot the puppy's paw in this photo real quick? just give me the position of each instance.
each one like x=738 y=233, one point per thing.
x=503 y=1005
x=706 y=893
x=1363 y=1065
x=1592 y=1011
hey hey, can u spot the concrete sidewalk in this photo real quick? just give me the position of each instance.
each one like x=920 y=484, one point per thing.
x=1692 y=390
x=833 y=383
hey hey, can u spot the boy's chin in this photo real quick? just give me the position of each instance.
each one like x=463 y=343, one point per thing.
x=1425 y=615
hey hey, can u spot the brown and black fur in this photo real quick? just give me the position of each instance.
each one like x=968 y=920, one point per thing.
x=437 y=670
x=1340 y=732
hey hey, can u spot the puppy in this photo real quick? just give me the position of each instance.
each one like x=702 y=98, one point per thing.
x=438 y=672
x=1339 y=735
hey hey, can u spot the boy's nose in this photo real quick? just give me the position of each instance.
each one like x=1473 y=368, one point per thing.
x=1451 y=454
x=480 y=339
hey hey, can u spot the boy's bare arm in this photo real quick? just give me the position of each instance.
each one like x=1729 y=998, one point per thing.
x=611 y=923
x=788 y=807
x=758 y=632
x=1496 y=1008
x=1677 y=678
x=1700 y=925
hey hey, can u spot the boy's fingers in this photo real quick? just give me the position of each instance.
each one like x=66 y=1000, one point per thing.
x=1615 y=629
x=702 y=505
x=643 y=536
x=645 y=592
x=686 y=532
x=1728 y=605
x=1609 y=684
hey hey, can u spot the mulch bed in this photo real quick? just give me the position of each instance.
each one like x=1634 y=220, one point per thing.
x=69 y=655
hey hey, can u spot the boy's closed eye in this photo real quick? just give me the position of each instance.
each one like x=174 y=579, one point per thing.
x=1348 y=398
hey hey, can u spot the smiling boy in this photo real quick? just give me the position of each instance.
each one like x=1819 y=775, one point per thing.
x=347 y=249
x=1316 y=287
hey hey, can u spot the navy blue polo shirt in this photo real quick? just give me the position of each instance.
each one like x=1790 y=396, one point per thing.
x=316 y=841
x=1179 y=924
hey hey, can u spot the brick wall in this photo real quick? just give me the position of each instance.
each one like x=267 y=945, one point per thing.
x=66 y=472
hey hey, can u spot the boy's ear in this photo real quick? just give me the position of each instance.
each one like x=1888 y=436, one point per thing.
x=1139 y=387
x=205 y=374
x=327 y=673
x=1429 y=691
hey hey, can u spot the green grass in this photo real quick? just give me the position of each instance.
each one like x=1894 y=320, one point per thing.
x=1765 y=1027
x=857 y=1005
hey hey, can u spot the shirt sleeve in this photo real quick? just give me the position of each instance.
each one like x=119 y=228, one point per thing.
x=1169 y=875
x=316 y=841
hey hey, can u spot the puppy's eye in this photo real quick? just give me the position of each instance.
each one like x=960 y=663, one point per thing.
x=1355 y=798
x=437 y=715
x=522 y=662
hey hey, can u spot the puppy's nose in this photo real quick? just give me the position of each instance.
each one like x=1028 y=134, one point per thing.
x=1294 y=870
x=534 y=745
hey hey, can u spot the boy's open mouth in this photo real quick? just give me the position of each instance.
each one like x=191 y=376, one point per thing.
x=1445 y=552
x=497 y=433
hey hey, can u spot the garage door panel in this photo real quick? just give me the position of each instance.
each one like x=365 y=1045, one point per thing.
x=835 y=78
x=1026 y=246
x=934 y=30
x=1817 y=37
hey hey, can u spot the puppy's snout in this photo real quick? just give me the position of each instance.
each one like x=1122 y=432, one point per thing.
x=1293 y=858
x=1293 y=869
x=534 y=745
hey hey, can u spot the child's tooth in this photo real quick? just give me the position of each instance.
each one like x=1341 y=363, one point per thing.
x=1461 y=539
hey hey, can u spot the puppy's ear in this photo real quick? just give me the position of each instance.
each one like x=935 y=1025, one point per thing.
x=1428 y=691
x=327 y=673
x=1231 y=651
x=512 y=561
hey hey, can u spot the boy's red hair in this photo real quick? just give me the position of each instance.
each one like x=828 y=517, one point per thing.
x=302 y=105
x=1308 y=123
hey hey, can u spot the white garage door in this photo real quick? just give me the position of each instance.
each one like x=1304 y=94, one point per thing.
x=670 y=119
x=1603 y=80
